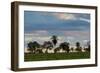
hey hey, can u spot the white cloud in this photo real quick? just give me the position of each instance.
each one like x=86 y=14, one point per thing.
x=83 y=19
x=85 y=41
x=78 y=34
x=68 y=16
x=31 y=34
x=41 y=32
x=37 y=33
x=70 y=38
x=39 y=39
x=65 y=16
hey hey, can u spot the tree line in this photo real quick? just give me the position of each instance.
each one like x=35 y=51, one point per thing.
x=35 y=47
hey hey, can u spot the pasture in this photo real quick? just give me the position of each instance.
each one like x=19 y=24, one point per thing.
x=55 y=56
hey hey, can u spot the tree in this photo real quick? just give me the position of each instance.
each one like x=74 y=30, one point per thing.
x=56 y=49
x=65 y=46
x=32 y=46
x=54 y=39
x=88 y=43
x=88 y=46
x=72 y=49
x=78 y=47
x=48 y=45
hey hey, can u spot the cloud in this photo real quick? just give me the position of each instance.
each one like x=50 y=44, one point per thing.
x=65 y=16
x=78 y=34
x=31 y=34
x=62 y=35
x=29 y=37
x=83 y=19
x=37 y=33
x=40 y=36
x=55 y=21
x=70 y=38
x=70 y=16
x=40 y=32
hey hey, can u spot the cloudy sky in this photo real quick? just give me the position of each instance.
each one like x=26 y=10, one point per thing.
x=69 y=27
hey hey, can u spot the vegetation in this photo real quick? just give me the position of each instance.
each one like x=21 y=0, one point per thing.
x=54 y=39
x=78 y=47
x=57 y=56
x=32 y=46
x=65 y=47
x=49 y=51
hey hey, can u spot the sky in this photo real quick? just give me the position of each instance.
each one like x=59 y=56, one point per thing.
x=69 y=27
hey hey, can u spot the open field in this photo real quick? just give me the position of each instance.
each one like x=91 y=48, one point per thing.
x=56 y=56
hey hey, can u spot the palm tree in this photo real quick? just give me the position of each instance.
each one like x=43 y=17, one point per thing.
x=78 y=47
x=54 y=39
x=65 y=46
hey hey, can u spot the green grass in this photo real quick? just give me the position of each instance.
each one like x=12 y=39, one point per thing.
x=56 y=56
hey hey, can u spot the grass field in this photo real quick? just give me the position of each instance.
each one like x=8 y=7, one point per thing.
x=57 y=56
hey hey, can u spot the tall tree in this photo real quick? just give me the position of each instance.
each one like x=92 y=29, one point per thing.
x=54 y=39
